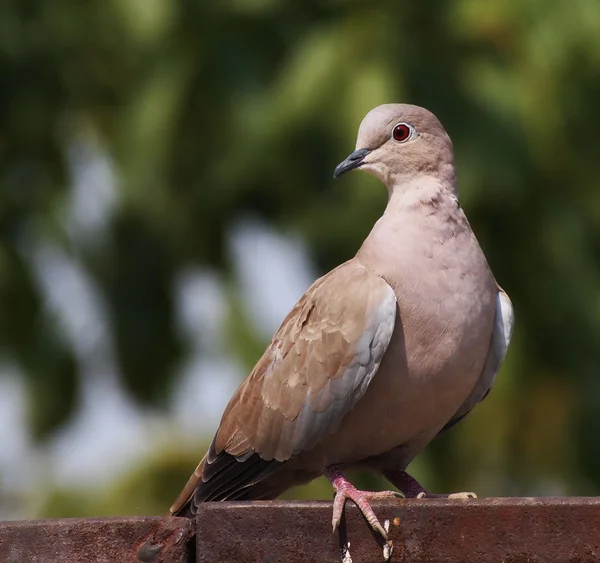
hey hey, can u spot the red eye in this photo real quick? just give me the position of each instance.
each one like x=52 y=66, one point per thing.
x=401 y=132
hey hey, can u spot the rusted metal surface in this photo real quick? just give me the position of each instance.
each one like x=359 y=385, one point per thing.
x=525 y=530
x=98 y=540
x=422 y=531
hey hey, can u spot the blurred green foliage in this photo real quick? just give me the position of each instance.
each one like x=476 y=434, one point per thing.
x=213 y=109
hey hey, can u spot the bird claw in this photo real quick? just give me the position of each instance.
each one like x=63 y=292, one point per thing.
x=463 y=496
x=388 y=546
x=388 y=549
x=346 y=557
x=345 y=490
x=360 y=499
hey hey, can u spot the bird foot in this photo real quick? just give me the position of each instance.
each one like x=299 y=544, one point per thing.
x=411 y=488
x=426 y=494
x=345 y=490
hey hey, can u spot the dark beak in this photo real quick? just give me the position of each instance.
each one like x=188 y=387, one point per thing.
x=355 y=160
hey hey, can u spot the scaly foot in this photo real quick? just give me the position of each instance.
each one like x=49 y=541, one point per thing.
x=345 y=490
x=424 y=494
x=411 y=488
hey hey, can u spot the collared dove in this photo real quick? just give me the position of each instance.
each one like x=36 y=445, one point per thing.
x=381 y=354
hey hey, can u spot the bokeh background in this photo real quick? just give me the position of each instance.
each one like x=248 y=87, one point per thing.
x=166 y=197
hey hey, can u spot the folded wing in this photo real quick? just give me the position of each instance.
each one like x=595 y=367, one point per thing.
x=318 y=365
x=500 y=339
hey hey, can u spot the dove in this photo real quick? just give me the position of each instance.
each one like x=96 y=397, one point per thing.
x=380 y=355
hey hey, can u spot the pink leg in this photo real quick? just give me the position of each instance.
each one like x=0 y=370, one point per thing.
x=406 y=483
x=411 y=488
x=345 y=490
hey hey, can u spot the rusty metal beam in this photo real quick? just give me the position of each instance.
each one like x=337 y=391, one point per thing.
x=525 y=530
x=509 y=530
x=98 y=540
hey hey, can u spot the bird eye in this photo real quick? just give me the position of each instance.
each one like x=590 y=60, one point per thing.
x=402 y=132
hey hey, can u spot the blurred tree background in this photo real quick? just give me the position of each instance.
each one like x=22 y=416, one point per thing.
x=159 y=158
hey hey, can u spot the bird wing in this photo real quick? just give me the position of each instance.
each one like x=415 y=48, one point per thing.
x=317 y=366
x=499 y=342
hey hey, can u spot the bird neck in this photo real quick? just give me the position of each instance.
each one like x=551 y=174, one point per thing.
x=422 y=191
x=419 y=213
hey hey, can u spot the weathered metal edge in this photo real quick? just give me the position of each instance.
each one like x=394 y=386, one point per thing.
x=494 y=530
x=509 y=530
x=101 y=540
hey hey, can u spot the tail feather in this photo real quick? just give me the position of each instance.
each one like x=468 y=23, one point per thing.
x=222 y=476
x=183 y=505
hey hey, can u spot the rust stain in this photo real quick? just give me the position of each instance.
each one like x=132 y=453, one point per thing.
x=557 y=530
x=102 y=540
x=528 y=530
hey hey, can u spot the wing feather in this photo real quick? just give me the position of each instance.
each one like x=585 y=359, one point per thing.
x=319 y=363
x=499 y=342
x=317 y=366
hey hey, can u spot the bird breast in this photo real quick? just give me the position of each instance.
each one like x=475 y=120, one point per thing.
x=446 y=298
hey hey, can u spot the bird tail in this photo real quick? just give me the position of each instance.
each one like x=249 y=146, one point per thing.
x=183 y=505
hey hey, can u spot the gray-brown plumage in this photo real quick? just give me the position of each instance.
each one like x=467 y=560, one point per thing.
x=382 y=353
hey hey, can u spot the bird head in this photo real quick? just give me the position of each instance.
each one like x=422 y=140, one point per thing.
x=400 y=142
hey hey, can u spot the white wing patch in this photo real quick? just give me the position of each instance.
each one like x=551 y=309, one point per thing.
x=501 y=335
x=500 y=339
x=503 y=323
